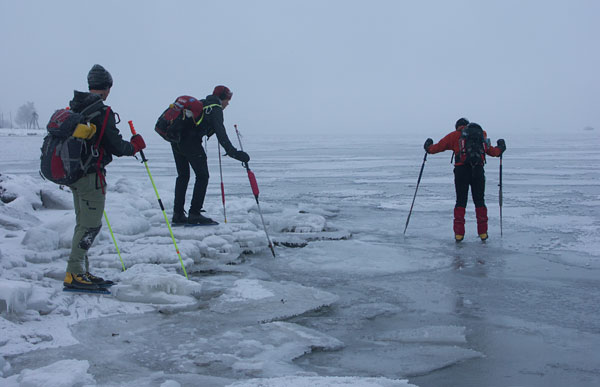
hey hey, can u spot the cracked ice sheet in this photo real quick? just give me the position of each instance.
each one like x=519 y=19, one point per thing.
x=357 y=257
x=429 y=334
x=316 y=381
x=31 y=331
x=148 y=287
x=266 y=301
x=37 y=242
x=264 y=350
x=405 y=360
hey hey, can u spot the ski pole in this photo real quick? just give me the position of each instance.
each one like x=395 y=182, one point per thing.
x=254 y=186
x=145 y=161
x=500 y=194
x=222 y=186
x=415 y=196
x=114 y=240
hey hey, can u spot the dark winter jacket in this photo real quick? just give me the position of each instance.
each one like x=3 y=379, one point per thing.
x=212 y=123
x=112 y=143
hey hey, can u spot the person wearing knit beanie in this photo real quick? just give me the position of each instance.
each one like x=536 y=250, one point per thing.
x=99 y=79
x=89 y=192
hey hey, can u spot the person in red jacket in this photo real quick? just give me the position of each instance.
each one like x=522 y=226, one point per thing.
x=468 y=172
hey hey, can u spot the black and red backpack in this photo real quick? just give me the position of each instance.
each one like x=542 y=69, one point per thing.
x=68 y=149
x=472 y=145
x=183 y=112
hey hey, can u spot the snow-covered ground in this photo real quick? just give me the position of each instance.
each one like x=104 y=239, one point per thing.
x=348 y=301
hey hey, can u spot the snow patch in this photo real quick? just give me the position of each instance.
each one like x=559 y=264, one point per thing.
x=248 y=289
x=41 y=239
x=299 y=223
x=64 y=373
x=153 y=284
x=14 y=295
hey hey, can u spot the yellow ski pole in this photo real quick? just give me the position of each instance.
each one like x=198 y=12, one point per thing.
x=222 y=186
x=114 y=240
x=145 y=161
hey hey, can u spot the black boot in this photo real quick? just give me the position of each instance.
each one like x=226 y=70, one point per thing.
x=200 y=220
x=104 y=283
x=179 y=218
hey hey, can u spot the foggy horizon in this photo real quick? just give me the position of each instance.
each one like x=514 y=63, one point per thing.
x=331 y=67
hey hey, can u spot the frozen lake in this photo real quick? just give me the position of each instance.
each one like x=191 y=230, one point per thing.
x=360 y=299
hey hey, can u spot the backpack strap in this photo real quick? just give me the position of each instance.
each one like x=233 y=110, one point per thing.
x=100 y=152
x=92 y=108
x=461 y=156
x=207 y=110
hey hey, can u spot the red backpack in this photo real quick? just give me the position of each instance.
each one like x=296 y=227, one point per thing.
x=172 y=121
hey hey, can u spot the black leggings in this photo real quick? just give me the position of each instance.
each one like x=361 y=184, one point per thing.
x=465 y=176
x=188 y=153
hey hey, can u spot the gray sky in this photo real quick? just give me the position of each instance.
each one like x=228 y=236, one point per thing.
x=316 y=66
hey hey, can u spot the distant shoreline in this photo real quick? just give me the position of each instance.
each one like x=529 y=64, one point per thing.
x=21 y=132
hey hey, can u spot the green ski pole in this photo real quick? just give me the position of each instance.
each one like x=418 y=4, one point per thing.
x=145 y=161
x=114 y=240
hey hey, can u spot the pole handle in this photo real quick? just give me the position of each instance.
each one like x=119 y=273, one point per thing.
x=237 y=132
x=133 y=132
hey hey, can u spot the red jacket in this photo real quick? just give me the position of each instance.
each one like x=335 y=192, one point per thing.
x=450 y=142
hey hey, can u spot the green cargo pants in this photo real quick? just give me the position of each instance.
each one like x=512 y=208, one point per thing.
x=88 y=199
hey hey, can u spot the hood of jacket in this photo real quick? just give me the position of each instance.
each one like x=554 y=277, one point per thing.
x=82 y=99
x=211 y=99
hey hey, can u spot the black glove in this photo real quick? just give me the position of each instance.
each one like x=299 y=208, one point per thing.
x=428 y=143
x=501 y=144
x=240 y=156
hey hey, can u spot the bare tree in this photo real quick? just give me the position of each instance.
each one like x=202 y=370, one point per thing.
x=33 y=122
x=25 y=115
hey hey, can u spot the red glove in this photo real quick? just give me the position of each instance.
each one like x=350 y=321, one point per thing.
x=138 y=143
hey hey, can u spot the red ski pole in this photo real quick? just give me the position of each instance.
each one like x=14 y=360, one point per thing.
x=254 y=186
